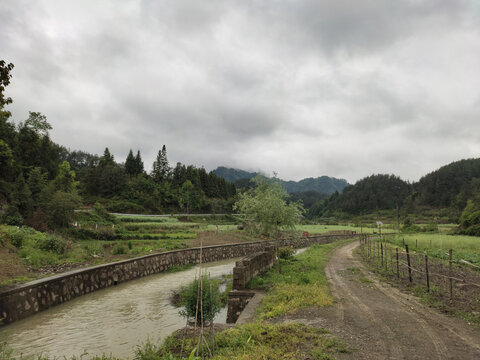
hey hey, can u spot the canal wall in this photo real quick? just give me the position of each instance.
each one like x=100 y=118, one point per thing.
x=244 y=271
x=30 y=298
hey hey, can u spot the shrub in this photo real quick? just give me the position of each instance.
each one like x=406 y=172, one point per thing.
x=285 y=253
x=210 y=296
x=130 y=245
x=53 y=243
x=119 y=250
x=124 y=206
x=102 y=212
x=11 y=216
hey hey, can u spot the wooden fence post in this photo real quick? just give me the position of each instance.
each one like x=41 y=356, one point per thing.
x=408 y=263
x=381 y=250
x=450 y=273
x=426 y=273
x=398 y=268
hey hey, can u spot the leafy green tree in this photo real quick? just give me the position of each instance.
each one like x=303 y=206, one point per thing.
x=60 y=210
x=38 y=123
x=266 y=205
x=6 y=160
x=470 y=219
x=37 y=181
x=22 y=197
x=161 y=168
x=190 y=197
x=5 y=77
x=65 y=180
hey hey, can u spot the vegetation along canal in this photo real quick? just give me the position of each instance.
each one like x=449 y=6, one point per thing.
x=111 y=321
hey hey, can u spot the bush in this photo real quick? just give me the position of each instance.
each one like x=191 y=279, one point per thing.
x=53 y=243
x=285 y=253
x=11 y=216
x=125 y=207
x=210 y=300
x=18 y=236
x=119 y=250
x=102 y=212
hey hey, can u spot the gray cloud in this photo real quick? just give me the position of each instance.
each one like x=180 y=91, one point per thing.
x=303 y=89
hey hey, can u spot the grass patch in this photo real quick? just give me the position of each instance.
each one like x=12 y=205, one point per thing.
x=301 y=284
x=321 y=229
x=437 y=245
x=262 y=341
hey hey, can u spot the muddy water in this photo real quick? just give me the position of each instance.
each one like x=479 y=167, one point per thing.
x=111 y=321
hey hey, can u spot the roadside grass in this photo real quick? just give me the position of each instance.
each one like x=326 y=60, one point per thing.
x=301 y=283
x=258 y=341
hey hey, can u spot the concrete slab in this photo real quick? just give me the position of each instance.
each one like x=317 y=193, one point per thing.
x=248 y=313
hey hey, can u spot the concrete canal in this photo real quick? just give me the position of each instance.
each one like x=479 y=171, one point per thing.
x=111 y=321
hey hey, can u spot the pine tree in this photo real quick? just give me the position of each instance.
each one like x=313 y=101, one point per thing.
x=130 y=164
x=138 y=164
x=161 y=169
x=107 y=158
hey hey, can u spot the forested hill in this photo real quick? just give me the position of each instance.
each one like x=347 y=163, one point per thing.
x=451 y=185
x=366 y=195
x=233 y=175
x=324 y=184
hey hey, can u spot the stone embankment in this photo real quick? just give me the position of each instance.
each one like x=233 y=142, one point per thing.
x=35 y=296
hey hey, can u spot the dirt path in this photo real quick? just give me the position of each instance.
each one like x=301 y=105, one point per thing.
x=380 y=322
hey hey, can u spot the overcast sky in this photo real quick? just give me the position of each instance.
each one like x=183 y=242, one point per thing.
x=303 y=88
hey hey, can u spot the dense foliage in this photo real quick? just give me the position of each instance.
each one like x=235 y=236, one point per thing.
x=375 y=192
x=265 y=207
x=470 y=219
x=42 y=183
x=451 y=185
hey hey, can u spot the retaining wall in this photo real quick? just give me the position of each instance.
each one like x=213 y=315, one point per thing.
x=30 y=298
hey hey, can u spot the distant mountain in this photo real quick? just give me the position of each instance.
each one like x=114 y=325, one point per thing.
x=323 y=184
x=233 y=175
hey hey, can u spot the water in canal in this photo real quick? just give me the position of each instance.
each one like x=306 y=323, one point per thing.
x=111 y=321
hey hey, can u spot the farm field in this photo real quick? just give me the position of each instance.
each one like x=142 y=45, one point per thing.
x=320 y=229
x=438 y=244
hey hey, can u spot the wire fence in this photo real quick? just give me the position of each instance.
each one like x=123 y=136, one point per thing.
x=453 y=283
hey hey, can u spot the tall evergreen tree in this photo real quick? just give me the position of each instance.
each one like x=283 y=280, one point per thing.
x=130 y=164
x=161 y=168
x=106 y=159
x=138 y=163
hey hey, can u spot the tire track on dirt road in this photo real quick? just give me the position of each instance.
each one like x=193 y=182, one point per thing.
x=380 y=322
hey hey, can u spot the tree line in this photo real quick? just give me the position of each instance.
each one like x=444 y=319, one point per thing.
x=450 y=188
x=42 y=183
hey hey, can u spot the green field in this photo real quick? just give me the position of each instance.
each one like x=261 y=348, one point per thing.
x=438 y=244
x=320 y=229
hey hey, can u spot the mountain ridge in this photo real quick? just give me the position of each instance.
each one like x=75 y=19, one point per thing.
x=322 y=184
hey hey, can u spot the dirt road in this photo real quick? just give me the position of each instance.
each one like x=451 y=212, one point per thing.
x=380 y=322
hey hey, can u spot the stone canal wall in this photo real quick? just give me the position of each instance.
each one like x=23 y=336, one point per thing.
x=252 y=265
x=30 y=298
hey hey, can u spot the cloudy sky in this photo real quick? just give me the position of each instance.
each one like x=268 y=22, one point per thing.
x=303 y=88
